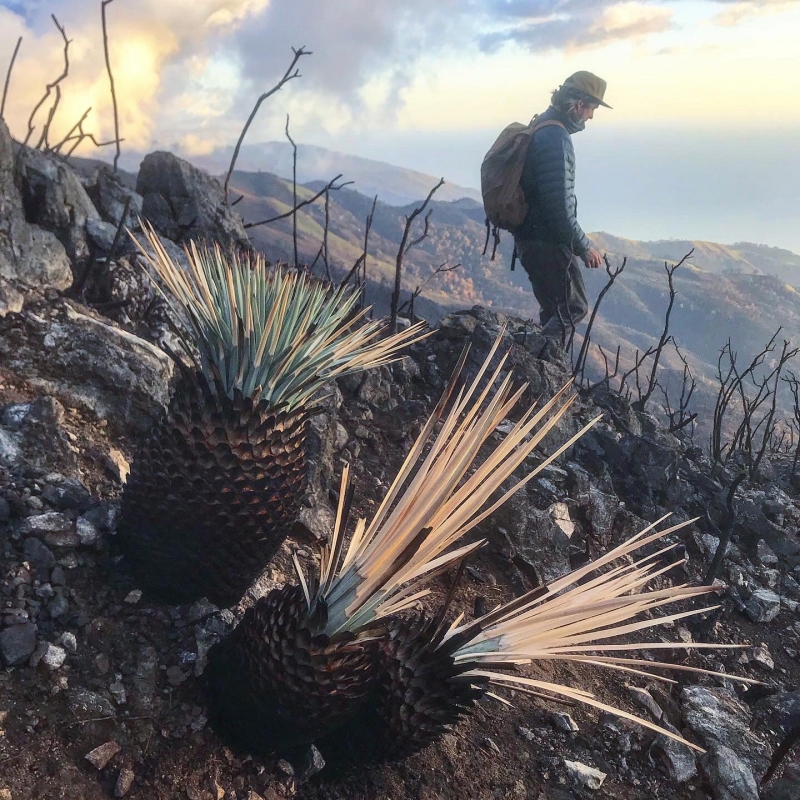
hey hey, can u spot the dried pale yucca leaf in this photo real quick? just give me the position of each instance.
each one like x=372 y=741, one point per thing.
x=271 y=332
x=573 y=618
x=434 y=500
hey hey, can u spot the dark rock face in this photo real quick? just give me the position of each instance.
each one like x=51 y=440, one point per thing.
x=89 y=363
x=185 y=203
x=54 y=198
x=31 y=259
x=110 y=194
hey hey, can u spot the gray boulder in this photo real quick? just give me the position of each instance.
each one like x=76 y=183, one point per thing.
x=31 y=259
x=182 y=202
x=729 y=776
x=31 y=435
x=89 y=363
x=54 y=199
x=17 y=643
x=718 y=718
x=110 y=193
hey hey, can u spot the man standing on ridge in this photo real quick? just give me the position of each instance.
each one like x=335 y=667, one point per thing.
x=550 y=240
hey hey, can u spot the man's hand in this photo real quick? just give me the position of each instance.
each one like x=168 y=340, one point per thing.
x=592 y=258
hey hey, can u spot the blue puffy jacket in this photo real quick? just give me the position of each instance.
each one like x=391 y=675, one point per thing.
x=548 y=181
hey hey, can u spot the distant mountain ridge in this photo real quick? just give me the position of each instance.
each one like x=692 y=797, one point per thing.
x=395 y=186
x=745 y=257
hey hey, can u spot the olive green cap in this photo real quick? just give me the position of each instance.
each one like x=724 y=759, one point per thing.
x=593 y=87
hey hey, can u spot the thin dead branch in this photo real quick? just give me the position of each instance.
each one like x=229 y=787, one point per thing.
x=579 y=368
x=50 y=88
x=724 y=530
x=294 y=191
x=665 y=338
x=103 y=5
x=291 y=73
x=8 y=78
x=329 y=187
x=680 y=417
x=69 y=136
x=440 y=270
x=361 y=261
x=401 y=251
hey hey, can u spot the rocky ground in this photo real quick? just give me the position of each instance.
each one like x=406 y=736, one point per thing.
x=101 y=691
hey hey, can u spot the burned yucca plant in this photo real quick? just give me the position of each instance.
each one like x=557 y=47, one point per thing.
x=214 y=489
x=305 y=658
x=430 y=676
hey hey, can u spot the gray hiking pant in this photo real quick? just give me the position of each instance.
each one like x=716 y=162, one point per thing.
x=555 y=274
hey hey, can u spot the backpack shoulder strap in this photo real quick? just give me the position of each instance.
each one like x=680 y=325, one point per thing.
x=535 y=126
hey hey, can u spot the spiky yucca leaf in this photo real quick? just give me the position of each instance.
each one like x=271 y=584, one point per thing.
x=432 y=504
x=270 y=332
x=571 y=619
x=215 y=488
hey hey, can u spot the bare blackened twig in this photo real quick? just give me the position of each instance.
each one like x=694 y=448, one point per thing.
x=289 y=75
x=361 y=261
x=8 y=78
x=329 y=187
x=50 y=87
x=409 y=304
x=794 y=385
x=640 y=404
x=103 y=5
x=730 y=383
x=424 y=235
x=680 y=417
x=401 y=251
x=580 y=364
x=768 y=420
x=69 y=136
x=724 y=530
x=294 y=191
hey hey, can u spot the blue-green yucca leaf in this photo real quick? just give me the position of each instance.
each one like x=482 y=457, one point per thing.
x=270 y=332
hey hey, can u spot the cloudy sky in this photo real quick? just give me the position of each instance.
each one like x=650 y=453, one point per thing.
x=703 y=141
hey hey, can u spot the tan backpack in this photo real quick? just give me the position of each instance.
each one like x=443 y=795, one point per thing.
x=501 y=173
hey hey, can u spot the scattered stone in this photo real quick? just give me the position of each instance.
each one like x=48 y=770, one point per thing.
x=124 y=782
x=38 y=555
x=763 y=606
x=201 y=609
x=117 y=465
x=762 y=656
x=176 y=676
x=765 y=554
x=5 y=794
x=58 y=607
x=41 y=524
x=17 y=643
x=729 y=776
x=645 y=700
x=718 y=717
x=54 y=657
x=87 y=532
x=101 y=755
x=526 y=733
x=313 y=764
x=679 y=760
x=492 y=745
x=285 y=768
x=564 y=722
x=69 y=641
x=584 y=775
x=118 y=692
x=86 y=705
x=133 y=597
